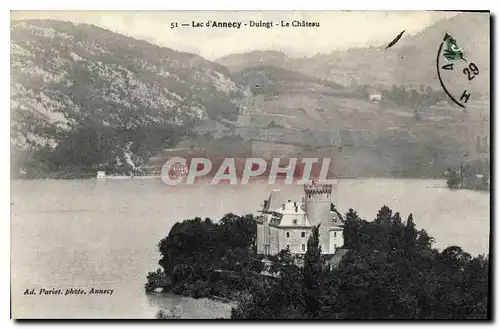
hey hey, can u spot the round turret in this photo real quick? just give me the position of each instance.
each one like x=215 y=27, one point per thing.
x=317 y=200
x=317 y=188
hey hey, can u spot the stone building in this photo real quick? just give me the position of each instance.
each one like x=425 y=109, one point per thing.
x=289 y=226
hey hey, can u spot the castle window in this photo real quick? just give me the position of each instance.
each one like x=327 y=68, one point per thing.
x=303 y=234
x=309 y=196
x=287 y=234
x=335 y=246
x=303 y=247
x=334 y=234
x=294 y=221
x=288 y=246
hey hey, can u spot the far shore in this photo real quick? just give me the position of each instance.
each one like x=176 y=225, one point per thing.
x=124 y=177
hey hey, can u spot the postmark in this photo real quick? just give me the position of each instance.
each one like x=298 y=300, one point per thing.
x=456 y=71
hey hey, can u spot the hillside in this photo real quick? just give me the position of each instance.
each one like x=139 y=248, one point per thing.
x=369 y=138
x=241 y=61
x=86 y=99
x=412 y=61
x=309 y=107
x=272 y=80
x=69 y=80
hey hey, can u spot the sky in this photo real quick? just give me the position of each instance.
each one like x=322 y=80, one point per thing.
x=338 y=29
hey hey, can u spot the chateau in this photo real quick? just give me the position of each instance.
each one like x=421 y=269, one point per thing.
x=290 y=225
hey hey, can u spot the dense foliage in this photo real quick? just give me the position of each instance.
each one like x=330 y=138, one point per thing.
x=201 y=258
x=92 y=147
x=416 y=99
x=390 y=272
x=75 y=84
x=473 y=175
x=411 y=97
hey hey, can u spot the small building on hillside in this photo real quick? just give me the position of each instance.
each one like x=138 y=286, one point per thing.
x=101 y=175
x=375 y=97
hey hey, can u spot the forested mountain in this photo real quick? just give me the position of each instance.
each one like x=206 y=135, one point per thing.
x=72 y=82
x=84 y=98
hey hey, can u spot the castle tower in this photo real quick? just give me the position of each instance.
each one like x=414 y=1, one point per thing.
x=318 y=200
x=318 y=203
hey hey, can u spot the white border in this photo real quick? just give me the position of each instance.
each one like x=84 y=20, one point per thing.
x=194 y=5
x=251 y=5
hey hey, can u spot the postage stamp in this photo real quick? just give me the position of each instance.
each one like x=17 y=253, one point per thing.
x=250 y=165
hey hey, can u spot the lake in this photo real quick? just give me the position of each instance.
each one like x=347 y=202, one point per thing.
x=85 y=234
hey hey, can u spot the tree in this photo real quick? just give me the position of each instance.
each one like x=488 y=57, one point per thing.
x=352 y=225
x=410 y=235
x=414 y=98
x=454 y=179
x=196 y=249
x=424 y=240
x=397 y=275
x=384 y=216
x=391 y=271
x=312 y=273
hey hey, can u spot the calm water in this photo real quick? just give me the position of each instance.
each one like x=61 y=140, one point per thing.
x=104 y=235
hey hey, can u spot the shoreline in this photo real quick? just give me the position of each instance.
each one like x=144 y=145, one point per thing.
x=258 y=182
x=215 y=298
x=125 y=177
x=468 y=188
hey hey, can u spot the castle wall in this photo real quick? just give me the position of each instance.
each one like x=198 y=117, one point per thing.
x=330 y=239
x=274 y=239
x=294 y=219
x=271 y=239
x=336 y=239
x=261 y=230
x=268 y=238
x=324 y=238
x=295 y=241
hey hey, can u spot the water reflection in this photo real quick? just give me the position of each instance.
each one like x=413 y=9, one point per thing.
x=189 y=308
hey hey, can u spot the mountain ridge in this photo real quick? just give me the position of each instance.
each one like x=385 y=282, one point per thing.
x=375 y=65
x=69 y=77
x=94 y=99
